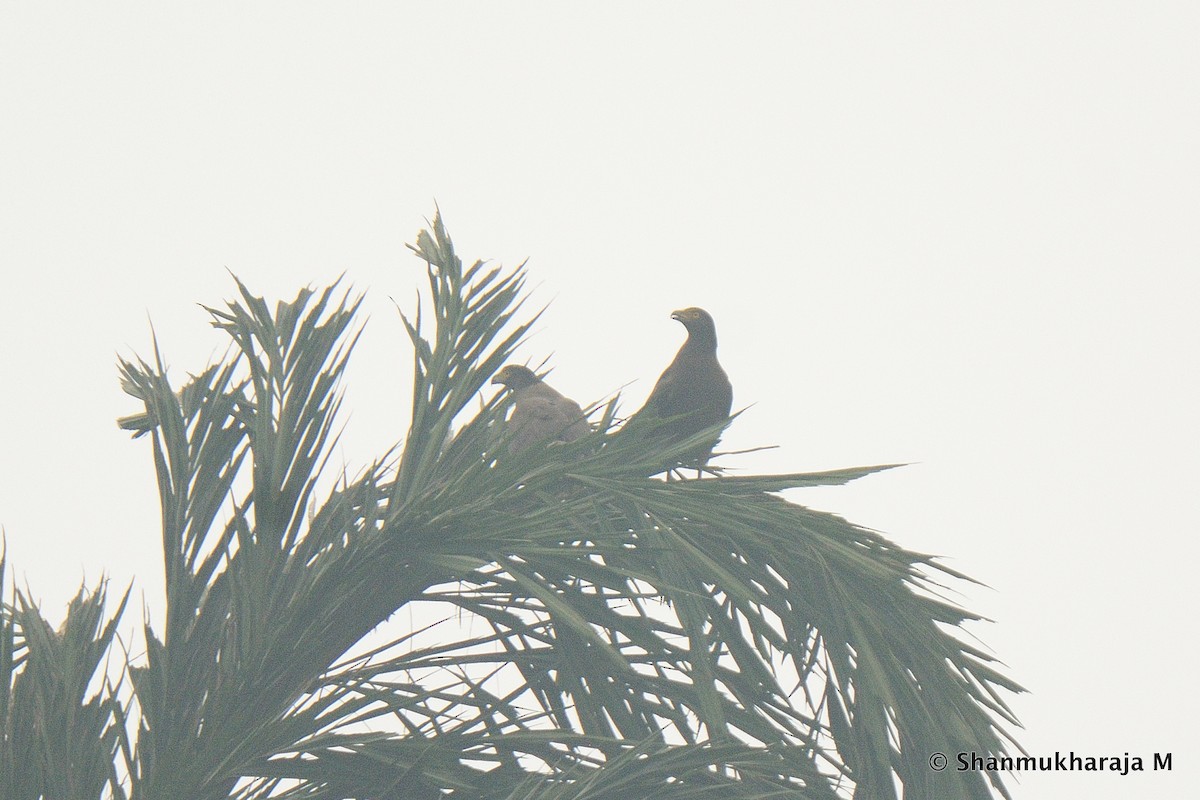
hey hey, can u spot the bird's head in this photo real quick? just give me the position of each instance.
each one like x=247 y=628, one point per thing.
x=697 y=321
x=514 y=376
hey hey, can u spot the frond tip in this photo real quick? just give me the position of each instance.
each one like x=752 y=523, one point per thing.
x=475 y=332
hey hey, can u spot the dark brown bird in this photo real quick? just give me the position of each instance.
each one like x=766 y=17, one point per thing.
x=539 y=414
x=694 y=393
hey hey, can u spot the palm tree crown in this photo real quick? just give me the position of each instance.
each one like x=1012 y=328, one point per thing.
x=796 y=655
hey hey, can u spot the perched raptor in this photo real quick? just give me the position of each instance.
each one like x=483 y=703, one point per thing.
x=540 y=414
x=694 y=393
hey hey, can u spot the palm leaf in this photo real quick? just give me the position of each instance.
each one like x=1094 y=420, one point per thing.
x=684 y=638
x=62 y=722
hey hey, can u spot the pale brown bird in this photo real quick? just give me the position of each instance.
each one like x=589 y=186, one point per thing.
x=540 y=414
x=694 y=392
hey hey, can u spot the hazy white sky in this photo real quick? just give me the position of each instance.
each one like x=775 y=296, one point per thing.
x=957 y=234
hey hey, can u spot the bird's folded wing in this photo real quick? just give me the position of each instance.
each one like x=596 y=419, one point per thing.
x=539 y=417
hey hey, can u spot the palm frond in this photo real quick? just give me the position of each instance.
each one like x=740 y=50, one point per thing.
x=683 y=638
x=62 y=723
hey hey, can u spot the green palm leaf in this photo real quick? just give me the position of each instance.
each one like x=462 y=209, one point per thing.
x=62 y=722
x=625 y=634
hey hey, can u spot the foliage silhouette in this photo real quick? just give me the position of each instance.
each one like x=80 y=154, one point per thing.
x=796 y=655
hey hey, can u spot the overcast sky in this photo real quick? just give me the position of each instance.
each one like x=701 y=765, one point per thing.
x=963 y=235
